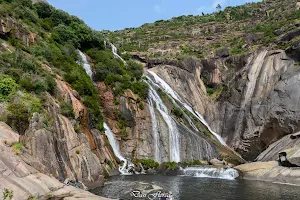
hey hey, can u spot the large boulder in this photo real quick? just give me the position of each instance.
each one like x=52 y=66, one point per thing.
x=216 y=162
x=269 y=171
x=289 y=144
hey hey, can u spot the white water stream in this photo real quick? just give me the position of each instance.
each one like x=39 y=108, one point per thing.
x=86 y=65
x=159 y=82
x=174 y=143
x=222 y=173
x=154 y=132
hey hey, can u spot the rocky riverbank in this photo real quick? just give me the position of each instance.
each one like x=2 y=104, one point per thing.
x=270 y=172
x=267 y=167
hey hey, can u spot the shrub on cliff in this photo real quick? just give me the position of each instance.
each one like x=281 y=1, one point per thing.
x=7 y=87
x=66 y=109
x=177 y=112
x=18 y=117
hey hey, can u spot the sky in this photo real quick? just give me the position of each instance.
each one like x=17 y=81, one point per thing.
x=119 y=14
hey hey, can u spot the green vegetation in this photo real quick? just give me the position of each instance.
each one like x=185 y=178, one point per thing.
x=17 y=147
x=210 y=91
x=171 y=165
x=141 y=106
x=147 y=163
x=110 y=164
x=32 y=198
x=60 y=35
x=7 y=87
x=7 y=194
x=118 y=75
x=66 y=109
x=177 y=112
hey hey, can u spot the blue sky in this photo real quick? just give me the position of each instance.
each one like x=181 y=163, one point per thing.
x=120 y=14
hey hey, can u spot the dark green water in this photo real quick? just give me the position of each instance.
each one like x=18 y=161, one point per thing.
x=190 y=188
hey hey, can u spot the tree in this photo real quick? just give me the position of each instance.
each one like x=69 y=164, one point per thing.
x=219 y=7
x=60 y=17
x=44 y=10
x=64 y=34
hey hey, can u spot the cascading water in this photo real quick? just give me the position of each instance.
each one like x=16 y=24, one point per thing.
x=115 y=52
x=127 y=165
x=229 y=173
x=159 y=82
x=174 y=143
x=86 y=65
x=154 y=131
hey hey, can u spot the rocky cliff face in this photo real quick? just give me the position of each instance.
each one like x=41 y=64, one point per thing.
x=27 y=179
x=8 y=26
x=138 y=140
x=57 y=146
x=258 y=103
x=63 y=152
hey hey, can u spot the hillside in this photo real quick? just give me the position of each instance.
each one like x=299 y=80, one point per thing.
x=241 y=29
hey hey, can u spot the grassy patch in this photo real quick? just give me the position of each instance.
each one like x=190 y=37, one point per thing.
x=17 y=147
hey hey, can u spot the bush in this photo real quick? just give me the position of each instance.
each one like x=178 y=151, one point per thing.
x=17 y=147
x=44 y=10
x=171 y=165
x=141 y=89
x=64 y=34
x=141 y=106
x=60 y=17
x=18 y=117
x=66 y=109
x=177 y=112
x=147 y=163
x=51 y=84
x=27 y=84
x=7 y=194
x=210 y=91
x=7 y=87
x=26 y=13
x=197 y=162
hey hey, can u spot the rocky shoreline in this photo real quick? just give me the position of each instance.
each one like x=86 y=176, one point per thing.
x=269 y=172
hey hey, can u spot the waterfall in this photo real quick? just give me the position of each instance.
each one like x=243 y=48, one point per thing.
x=174 y=143
x=115 y=52
x=86 y=65
x=154 y=131
x=127 y=165
x=162 y=84
x=222 y=173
